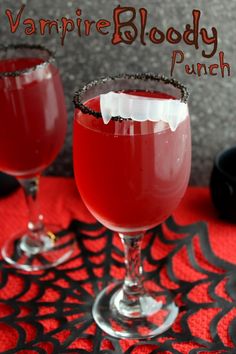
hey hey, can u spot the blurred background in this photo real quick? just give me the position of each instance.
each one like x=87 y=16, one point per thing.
x=81 y=59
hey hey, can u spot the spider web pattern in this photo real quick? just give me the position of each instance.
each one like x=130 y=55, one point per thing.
x=50 y=311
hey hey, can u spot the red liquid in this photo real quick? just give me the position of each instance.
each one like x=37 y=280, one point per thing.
x=130 y=175
x=33 y=117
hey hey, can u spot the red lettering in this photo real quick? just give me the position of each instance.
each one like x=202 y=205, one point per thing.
x=78 y=13
x=129 y=36
x=14 y=24
x=193 y=31
x=169 y=36
x=88 y=25
x=102 y=24
x=143 y=17
x=223 y=65
x=31 y=28
x=189 y=71
x=153 y=38
x=176 y=60
x=199 y=69
x=207 y=40
x=48 y=23
x=213 y=67
x=65 y=23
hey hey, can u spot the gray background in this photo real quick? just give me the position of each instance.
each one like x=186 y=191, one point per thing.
x=213 y=99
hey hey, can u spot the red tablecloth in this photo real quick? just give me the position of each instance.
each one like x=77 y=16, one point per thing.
x=204 y=268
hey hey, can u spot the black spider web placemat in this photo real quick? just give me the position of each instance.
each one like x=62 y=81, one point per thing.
x=50 y=311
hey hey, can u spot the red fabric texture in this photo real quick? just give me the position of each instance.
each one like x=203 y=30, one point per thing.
x=60 y=203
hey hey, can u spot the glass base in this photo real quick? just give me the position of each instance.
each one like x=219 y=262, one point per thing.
x=51 y=248
x=152 y=315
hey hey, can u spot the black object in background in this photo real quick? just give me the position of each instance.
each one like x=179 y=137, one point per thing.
x=7 y=184
x=223 y=184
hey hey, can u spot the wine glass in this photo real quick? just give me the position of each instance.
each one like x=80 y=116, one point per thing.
x=132 y=157
x=33 y=126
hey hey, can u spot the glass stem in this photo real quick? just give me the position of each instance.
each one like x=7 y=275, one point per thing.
x=133 y=285
x=35 y=225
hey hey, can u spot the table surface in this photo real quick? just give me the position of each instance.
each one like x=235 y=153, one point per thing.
x=194 y=254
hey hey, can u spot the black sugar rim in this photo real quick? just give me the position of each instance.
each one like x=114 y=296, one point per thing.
x=140 y=76
x=51 y=59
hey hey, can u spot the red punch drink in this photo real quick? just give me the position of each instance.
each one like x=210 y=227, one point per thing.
x=33 y=116
x=33 y=122
x=132 y=157
x=131 y=175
